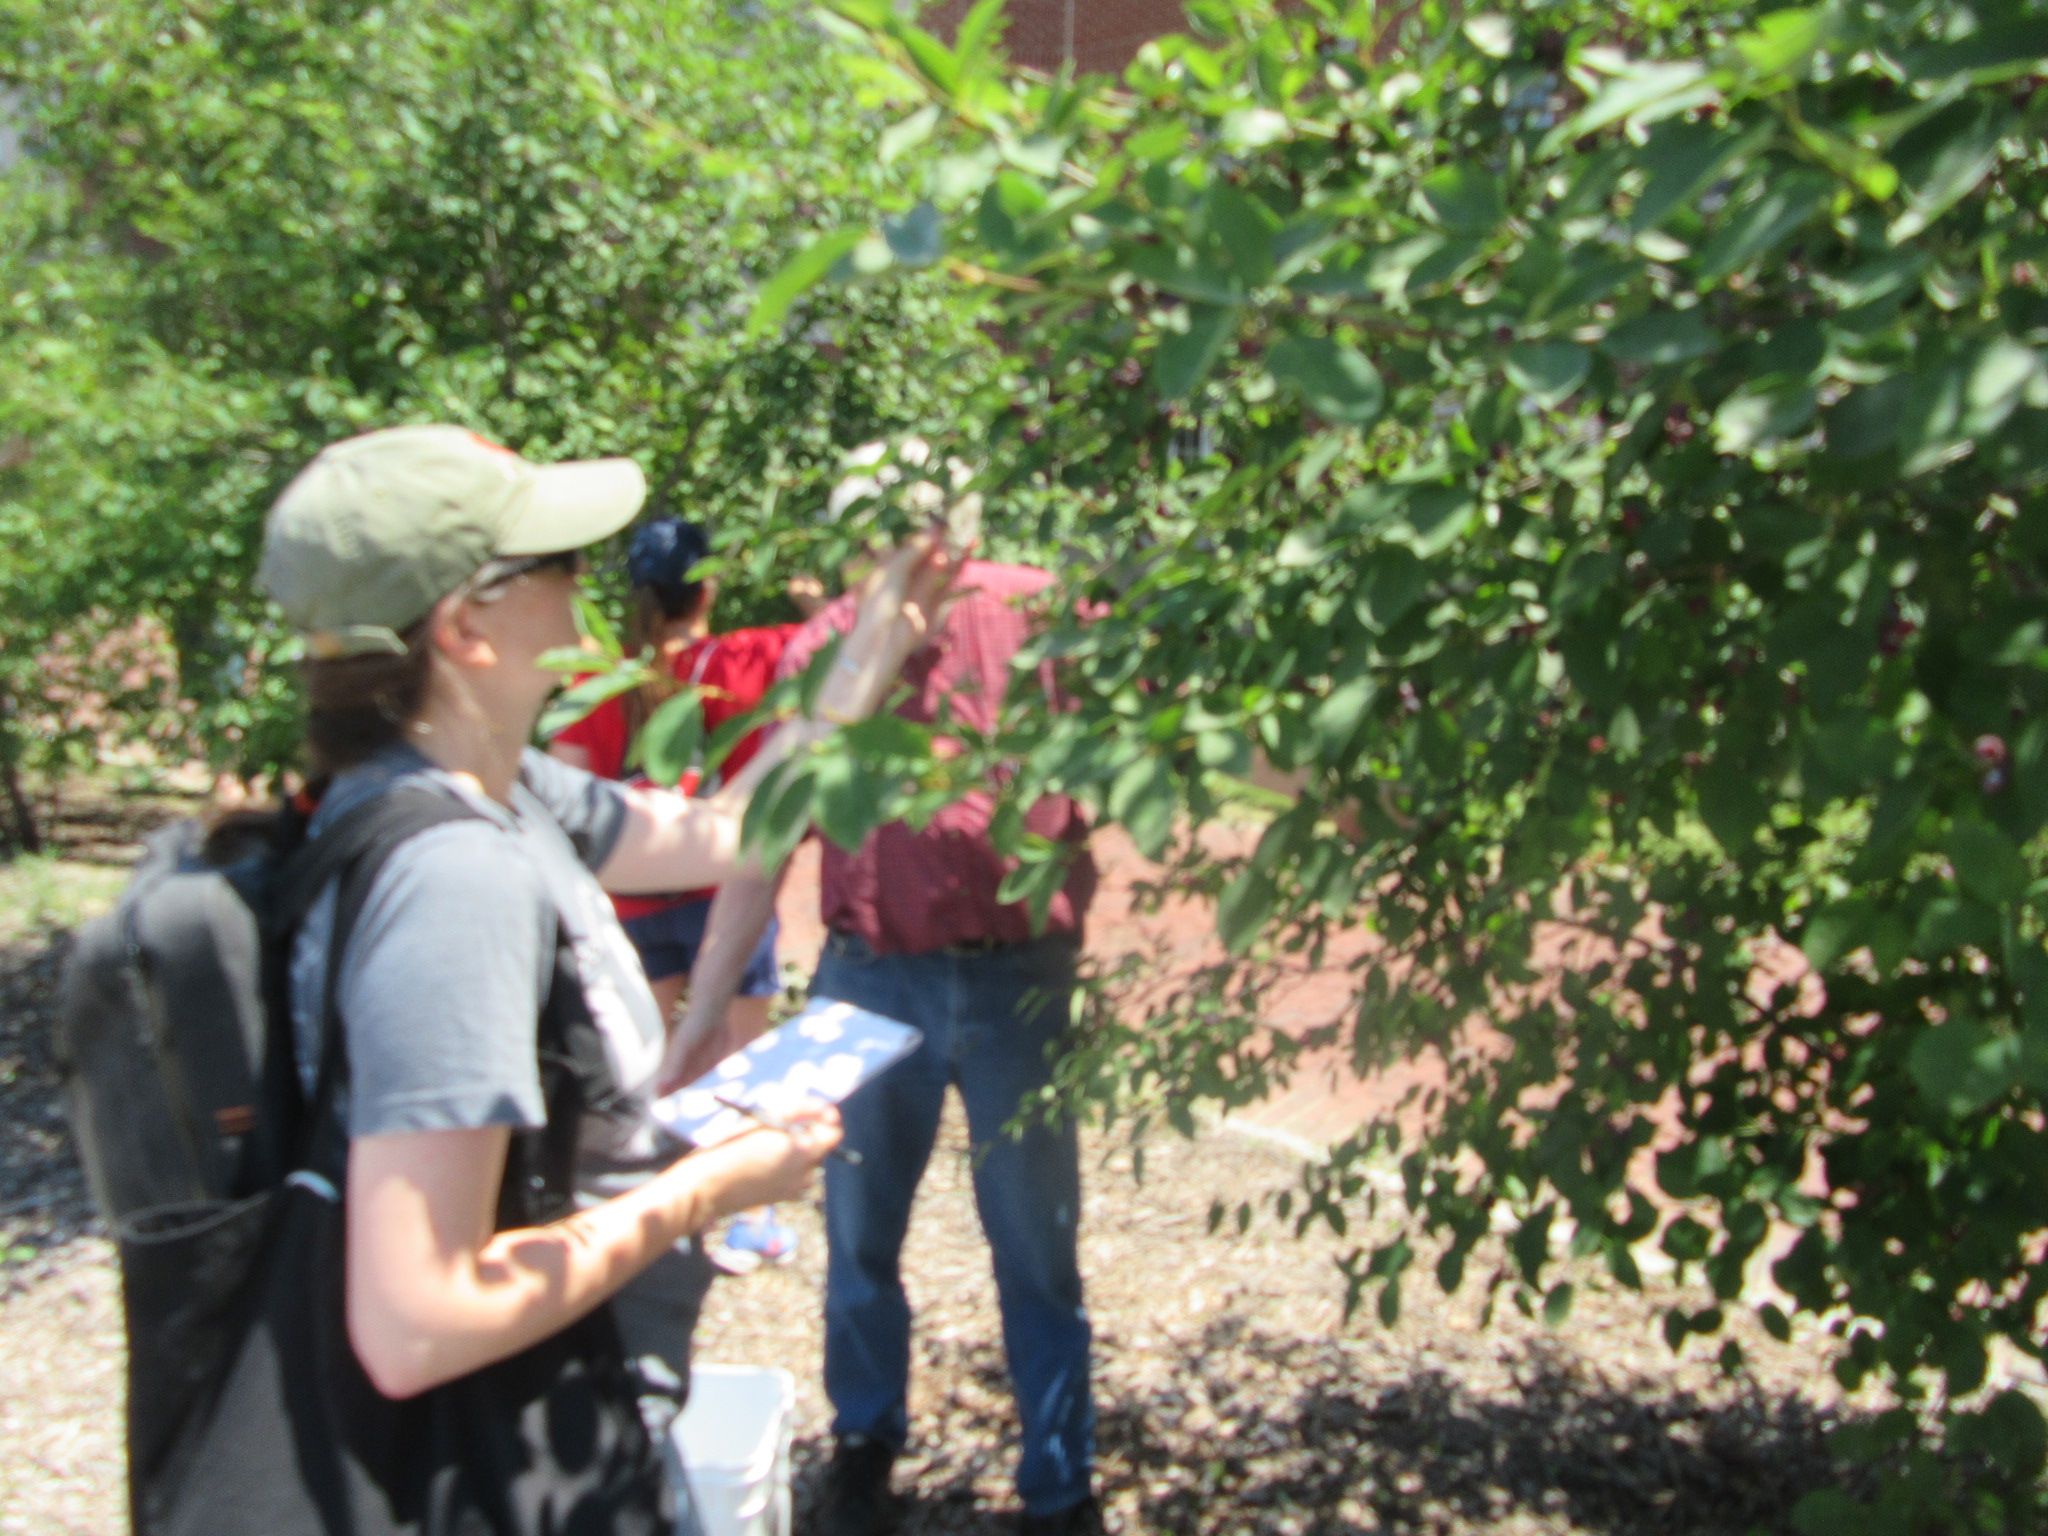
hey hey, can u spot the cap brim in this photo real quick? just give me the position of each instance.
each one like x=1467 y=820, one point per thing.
x=566 y=506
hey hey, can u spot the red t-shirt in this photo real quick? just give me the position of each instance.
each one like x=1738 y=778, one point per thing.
x=731 y=673
x=908 y=892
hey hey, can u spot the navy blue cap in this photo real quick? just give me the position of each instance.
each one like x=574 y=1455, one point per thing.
x=663 y=551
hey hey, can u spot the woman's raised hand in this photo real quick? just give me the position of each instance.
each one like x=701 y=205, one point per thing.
x=902 y=602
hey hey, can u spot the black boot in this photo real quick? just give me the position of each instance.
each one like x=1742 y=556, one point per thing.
x=1082 y=1519
x=857 y=1498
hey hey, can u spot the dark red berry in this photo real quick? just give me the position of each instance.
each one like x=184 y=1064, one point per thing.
x=1032 y=432
x=1631 y=516
x=1696 y=605
x=1597 y=744
x=1989 y=749
x=1893 y=634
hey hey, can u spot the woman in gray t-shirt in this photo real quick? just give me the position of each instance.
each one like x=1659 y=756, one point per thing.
x=426 y=568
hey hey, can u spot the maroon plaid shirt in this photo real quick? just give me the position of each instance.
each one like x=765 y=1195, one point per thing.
x=908 y=892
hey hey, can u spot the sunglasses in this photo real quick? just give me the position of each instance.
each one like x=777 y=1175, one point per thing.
x=503 y=572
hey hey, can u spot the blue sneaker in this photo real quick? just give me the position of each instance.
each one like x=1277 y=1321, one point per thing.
x=754 y=1240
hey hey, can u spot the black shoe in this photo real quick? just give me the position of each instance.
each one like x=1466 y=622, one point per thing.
x=1082 y=1519
x=857 y=1499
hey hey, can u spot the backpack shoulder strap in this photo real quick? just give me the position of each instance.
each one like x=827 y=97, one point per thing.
x=352 y=850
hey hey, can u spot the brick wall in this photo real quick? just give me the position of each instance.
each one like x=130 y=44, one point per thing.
x=1098 y=35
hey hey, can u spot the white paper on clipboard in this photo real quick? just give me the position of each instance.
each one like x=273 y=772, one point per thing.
x=824 y=1053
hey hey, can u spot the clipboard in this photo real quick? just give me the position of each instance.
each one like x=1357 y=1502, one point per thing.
x=826 y=1053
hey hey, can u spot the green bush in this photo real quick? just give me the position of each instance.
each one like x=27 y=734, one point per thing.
x=248 y=229
x=1602 y=452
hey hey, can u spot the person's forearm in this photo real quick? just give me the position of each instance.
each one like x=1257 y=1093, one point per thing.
x=486 y=1302
x=739 y=916
x=673 y=843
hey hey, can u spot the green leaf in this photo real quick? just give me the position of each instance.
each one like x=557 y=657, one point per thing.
x=1661 y=338
x=1390 y=1301
x=1589 y=575
x=1986 y=863
x=2010 y=1430
x=1681 y=159
x=1531 y=1243
x=1648 y=92
x=1491 y=33
x=669 y=742
x=1247 y=228
x=1993 y=52
x=916 y=239
x=1142 y=798
x=847 y=802
x=1830 y=1512
x=979 y=32
x=801 y=273
x=1785 y=203
x=1782 y=43
x=1549 y=372
x=1756 y=415
x=1866 y=421
x=573 y=703
x=1464 y=198
x=595 y=625
x=1185 y=357
x=573 y=659
x=1243 y=908
x=1435 y=517
x=1835 y=930
x=1395 y=580
x=901 y=137
x=1337 y=719
x=1041 y=154
x=1950 y=154
x=1951 y=922
x=1252 y=128
x=934 y=59
x=1732 y=805
x=1335 y=381
x=1557 y=1305
x=1963 y=1065
x=1185 y=273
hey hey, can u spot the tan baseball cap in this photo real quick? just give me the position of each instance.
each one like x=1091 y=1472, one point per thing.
x=379 y=528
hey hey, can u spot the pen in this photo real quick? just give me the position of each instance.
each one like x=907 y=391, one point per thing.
x=761 y=1117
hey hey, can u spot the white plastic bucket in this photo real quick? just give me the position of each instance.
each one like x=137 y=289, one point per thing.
x=734 y=1437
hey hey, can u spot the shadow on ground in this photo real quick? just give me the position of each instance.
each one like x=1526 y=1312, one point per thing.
x=1222 y=1451
x=43 y=1198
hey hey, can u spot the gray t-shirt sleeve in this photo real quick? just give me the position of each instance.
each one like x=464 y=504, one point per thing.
x=442 y=986
x=590 y=809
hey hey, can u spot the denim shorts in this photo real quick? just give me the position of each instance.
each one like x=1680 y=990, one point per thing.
x=668 y=941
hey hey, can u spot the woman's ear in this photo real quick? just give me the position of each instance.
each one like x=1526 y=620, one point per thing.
x=459 y=633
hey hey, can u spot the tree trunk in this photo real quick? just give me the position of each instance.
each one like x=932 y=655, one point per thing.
x=23 y=832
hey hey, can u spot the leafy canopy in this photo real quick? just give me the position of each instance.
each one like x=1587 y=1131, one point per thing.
x=1603 y=454
x=245 y=230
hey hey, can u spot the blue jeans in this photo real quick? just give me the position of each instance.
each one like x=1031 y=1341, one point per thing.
x=989 y=1020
